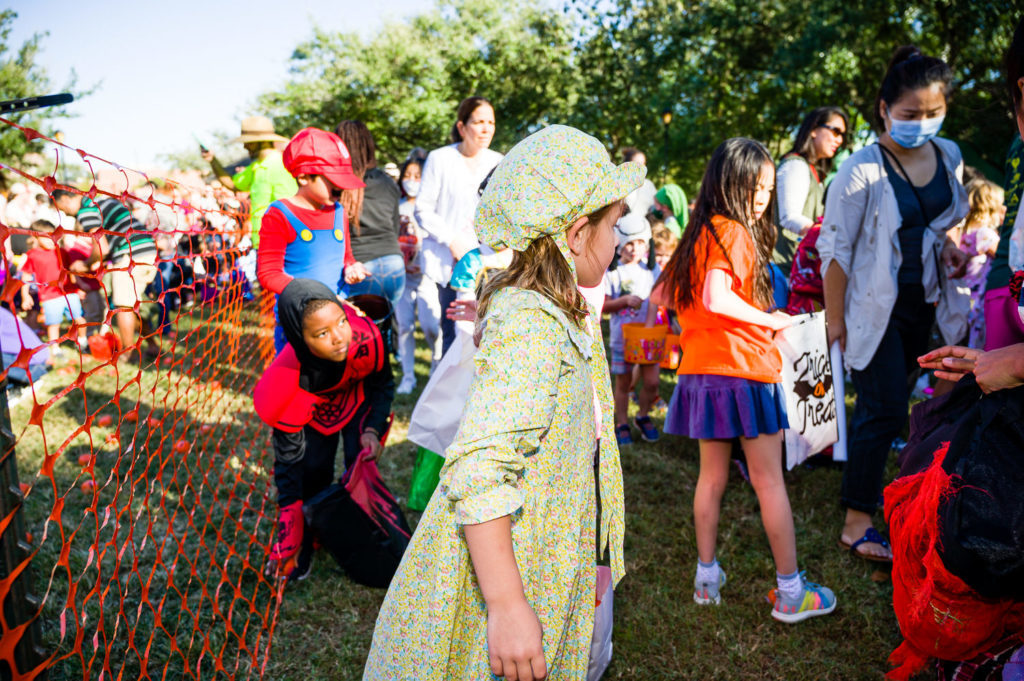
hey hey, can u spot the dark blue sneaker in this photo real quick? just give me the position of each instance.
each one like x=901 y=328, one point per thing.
x=647 y=430
x=623 y=435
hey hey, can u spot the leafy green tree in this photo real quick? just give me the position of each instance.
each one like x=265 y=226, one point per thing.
x=22 y=76
x=406 y=81
x=614 y=68
x=755 y=67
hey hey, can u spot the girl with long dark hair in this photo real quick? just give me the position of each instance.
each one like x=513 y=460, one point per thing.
x=729 y=374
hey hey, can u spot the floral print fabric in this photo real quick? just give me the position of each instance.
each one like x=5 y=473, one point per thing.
x=525 y=448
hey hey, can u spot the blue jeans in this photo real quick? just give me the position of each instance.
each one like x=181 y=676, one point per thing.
x=883 y=394
x=19 y=375
x=386 y=278
x=171 y=276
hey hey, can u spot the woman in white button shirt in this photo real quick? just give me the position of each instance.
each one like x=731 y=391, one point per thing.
x=448 y=197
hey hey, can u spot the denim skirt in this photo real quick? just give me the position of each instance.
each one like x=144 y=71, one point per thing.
x=706 y=406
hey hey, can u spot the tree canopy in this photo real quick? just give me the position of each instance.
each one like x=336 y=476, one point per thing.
x=613 y=68
x=406 y=81
x=22 y=76
x=756 y=67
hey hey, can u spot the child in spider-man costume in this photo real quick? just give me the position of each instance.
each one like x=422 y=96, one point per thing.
x=306 y=236
x=331 y=381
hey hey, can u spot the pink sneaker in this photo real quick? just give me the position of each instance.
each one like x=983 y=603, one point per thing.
x=290 y=525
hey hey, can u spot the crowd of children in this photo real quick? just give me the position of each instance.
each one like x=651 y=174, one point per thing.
x=83 y=264
x=499 y=577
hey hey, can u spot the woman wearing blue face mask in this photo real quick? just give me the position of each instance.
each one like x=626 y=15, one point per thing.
x=888 y=266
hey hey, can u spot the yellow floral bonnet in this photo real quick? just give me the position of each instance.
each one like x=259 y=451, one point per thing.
x=545 y=183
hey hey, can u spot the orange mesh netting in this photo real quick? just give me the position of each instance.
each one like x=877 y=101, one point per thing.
x=144 y=516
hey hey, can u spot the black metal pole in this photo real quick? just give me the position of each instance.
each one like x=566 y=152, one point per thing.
x=21 y=605
x=29 y=103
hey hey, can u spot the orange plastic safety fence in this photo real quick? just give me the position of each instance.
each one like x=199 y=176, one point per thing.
x=144 y=470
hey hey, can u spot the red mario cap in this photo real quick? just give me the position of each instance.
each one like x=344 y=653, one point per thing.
x=317 y=152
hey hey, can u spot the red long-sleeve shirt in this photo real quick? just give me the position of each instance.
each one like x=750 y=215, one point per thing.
x=316 y=251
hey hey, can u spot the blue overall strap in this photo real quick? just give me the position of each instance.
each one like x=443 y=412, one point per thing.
x=297 y=224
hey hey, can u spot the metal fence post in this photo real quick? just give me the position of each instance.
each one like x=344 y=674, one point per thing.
x=21 y=605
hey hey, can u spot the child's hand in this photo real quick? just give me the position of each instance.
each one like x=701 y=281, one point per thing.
x=26 y=303
x=781 y=321
x=515 y=642
x=355 y=273
x=633 y=301
x=462 y=311
x=370 y=441
x=955 y=260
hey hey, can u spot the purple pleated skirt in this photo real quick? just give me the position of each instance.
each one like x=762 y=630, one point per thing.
x=705 y=406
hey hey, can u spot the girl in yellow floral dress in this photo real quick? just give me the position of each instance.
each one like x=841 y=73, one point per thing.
x=500 y=576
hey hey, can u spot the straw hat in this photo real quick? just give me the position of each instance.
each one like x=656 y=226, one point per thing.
x=258 y=129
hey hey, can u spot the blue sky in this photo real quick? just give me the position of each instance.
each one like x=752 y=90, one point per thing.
x=168 y=70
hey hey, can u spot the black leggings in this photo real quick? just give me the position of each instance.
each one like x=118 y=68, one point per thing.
x=304 y=461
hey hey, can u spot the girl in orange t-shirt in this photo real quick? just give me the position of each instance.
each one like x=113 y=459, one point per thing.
x=729 y=375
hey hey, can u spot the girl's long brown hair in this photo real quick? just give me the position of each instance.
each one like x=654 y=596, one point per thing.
x=359 y=141
x=542 y=268
x=727 y=190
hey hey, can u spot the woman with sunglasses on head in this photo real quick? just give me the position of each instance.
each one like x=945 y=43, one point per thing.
x=800 y=178
x=889 y=265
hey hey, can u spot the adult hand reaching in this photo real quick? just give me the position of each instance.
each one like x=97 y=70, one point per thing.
x=950 y=362
x=994 y=370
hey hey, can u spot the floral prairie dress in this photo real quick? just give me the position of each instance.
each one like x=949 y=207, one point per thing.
x=525 y=448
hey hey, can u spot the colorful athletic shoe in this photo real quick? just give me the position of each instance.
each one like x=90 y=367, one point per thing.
x=706 y=593
x=815 y=600
x=647 y=430
x=623 y=435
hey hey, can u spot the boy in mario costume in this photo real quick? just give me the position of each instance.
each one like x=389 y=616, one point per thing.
x=306 y=236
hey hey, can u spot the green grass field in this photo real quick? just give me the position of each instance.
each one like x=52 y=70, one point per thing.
x=147 y=504
x=176 y=532
x=326 y=622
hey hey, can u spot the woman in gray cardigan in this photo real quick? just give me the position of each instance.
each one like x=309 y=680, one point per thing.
x=888 y=266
